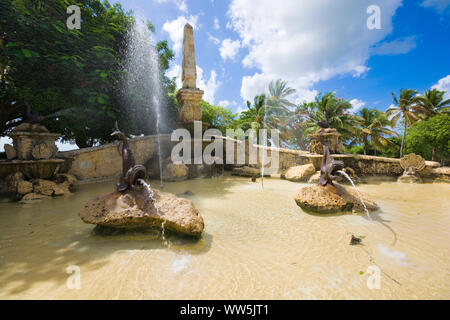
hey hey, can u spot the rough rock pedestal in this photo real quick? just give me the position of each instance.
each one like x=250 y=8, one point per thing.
x=332 y=199
x=133 y=209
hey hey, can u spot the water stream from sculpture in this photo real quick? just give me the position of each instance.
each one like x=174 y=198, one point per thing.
x=142 y=86
x=151 y=195
x=264 y=143
x=357 y=191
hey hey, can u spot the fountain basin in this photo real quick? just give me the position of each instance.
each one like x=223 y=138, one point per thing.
x=31 y=169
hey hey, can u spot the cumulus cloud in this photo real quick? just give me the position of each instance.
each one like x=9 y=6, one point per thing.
x=305 y=41
x=216 y=24
x=175 y=72
x=180 y=4
x=398 y=46
x=439 y=5
x=175 y=30
x=356 y=105
x=209 y=86
x=227 y=104
x=229 y=49
x=258 y=83
x=443 y=85
x=213 y=39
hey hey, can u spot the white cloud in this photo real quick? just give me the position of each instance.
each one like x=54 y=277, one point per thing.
x=443 y=85
x=229 y=49
x=227 y=104
x=3 y=141
x=216 y=24
x=175 y=29
x=357 y=105
x=305 y=41
x=175 y=72
x=398 y=46
x=213 y=39
x=258 y=83
x=209 y=86
x=181 y=4
x=439 y=5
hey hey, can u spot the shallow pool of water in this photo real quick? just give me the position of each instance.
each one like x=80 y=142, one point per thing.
x=257 y=244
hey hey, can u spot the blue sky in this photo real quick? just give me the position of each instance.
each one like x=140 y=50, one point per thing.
x=315 y=45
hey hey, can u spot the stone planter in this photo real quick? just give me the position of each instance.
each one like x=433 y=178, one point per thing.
x=31 y=169
x=42 y=143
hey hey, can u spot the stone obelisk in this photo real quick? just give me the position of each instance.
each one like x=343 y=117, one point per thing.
x=189 y=96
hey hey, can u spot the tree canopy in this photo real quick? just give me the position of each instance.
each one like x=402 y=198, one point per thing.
x=70 y=76
x=431 y=135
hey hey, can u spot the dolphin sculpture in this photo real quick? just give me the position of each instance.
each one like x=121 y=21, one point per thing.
x=324 y=124
x=32 y=117
x=328 y=167
x=131 y=173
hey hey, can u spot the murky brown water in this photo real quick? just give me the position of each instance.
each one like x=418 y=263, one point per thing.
x=257 y=245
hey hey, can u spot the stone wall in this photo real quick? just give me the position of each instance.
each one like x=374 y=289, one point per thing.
x=105 y=161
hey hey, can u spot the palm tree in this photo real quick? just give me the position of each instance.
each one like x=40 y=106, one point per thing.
x=371 y=126
x=278 y=91
x=432 y=102
x=338 y=111
x=254 y=116
x=278 y=113
x=403 y=108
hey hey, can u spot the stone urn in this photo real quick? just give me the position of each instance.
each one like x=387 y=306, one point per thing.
x=33 y=152
x=34 y=142
x=329 y=136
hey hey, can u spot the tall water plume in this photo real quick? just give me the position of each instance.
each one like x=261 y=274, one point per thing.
x=142 y=88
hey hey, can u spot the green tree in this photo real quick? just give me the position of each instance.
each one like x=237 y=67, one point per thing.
x=430 y=136
x=255 y=115
x=371 y=127
x=403 y=108
x=218 y=117
x=338 y=111
x=70 y=76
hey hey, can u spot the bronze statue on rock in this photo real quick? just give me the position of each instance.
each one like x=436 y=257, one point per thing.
x=329 y=167
x=131 y=173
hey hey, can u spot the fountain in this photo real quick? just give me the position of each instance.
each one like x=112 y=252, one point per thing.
x=142 y=86
x=328 y=196
x=30 y=160
x=33 y=152
x=135 y=205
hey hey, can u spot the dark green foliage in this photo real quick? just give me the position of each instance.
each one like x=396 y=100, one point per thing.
x=430 y=136
x=69 y=75
x=218 y=117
